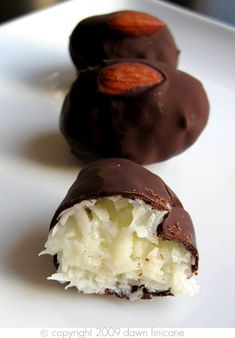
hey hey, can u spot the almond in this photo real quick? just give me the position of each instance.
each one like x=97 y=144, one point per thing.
x=127 y=77
x=135 y=23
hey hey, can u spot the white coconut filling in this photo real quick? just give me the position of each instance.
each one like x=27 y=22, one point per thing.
x=111 y=243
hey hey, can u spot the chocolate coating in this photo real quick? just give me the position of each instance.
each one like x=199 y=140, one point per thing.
x=146 y=126
x=146 y=293
x=111 y=177
x=94 y=40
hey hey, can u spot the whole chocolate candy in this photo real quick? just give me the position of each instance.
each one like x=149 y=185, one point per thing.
x=136 y=109
x=125 y=34
x=121 y=230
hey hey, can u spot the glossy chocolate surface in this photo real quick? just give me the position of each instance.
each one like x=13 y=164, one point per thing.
x=96 y=39
x=146 y=126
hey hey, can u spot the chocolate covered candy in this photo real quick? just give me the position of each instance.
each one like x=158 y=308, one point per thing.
x=136 y=109
x=121 y=230
x=125 y=34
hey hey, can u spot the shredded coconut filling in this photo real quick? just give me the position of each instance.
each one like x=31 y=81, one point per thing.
x=111 y=243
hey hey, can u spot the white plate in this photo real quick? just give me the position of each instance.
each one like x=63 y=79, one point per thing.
x=36 y=171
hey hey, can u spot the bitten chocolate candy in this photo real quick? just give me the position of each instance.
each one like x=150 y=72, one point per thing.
x=136 y=109
x=121 y=230
x=119 y=35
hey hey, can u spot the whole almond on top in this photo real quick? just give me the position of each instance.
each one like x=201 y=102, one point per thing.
x=121 y=78
x=135 y=23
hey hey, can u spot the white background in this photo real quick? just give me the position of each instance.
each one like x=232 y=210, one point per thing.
x=36 y=170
